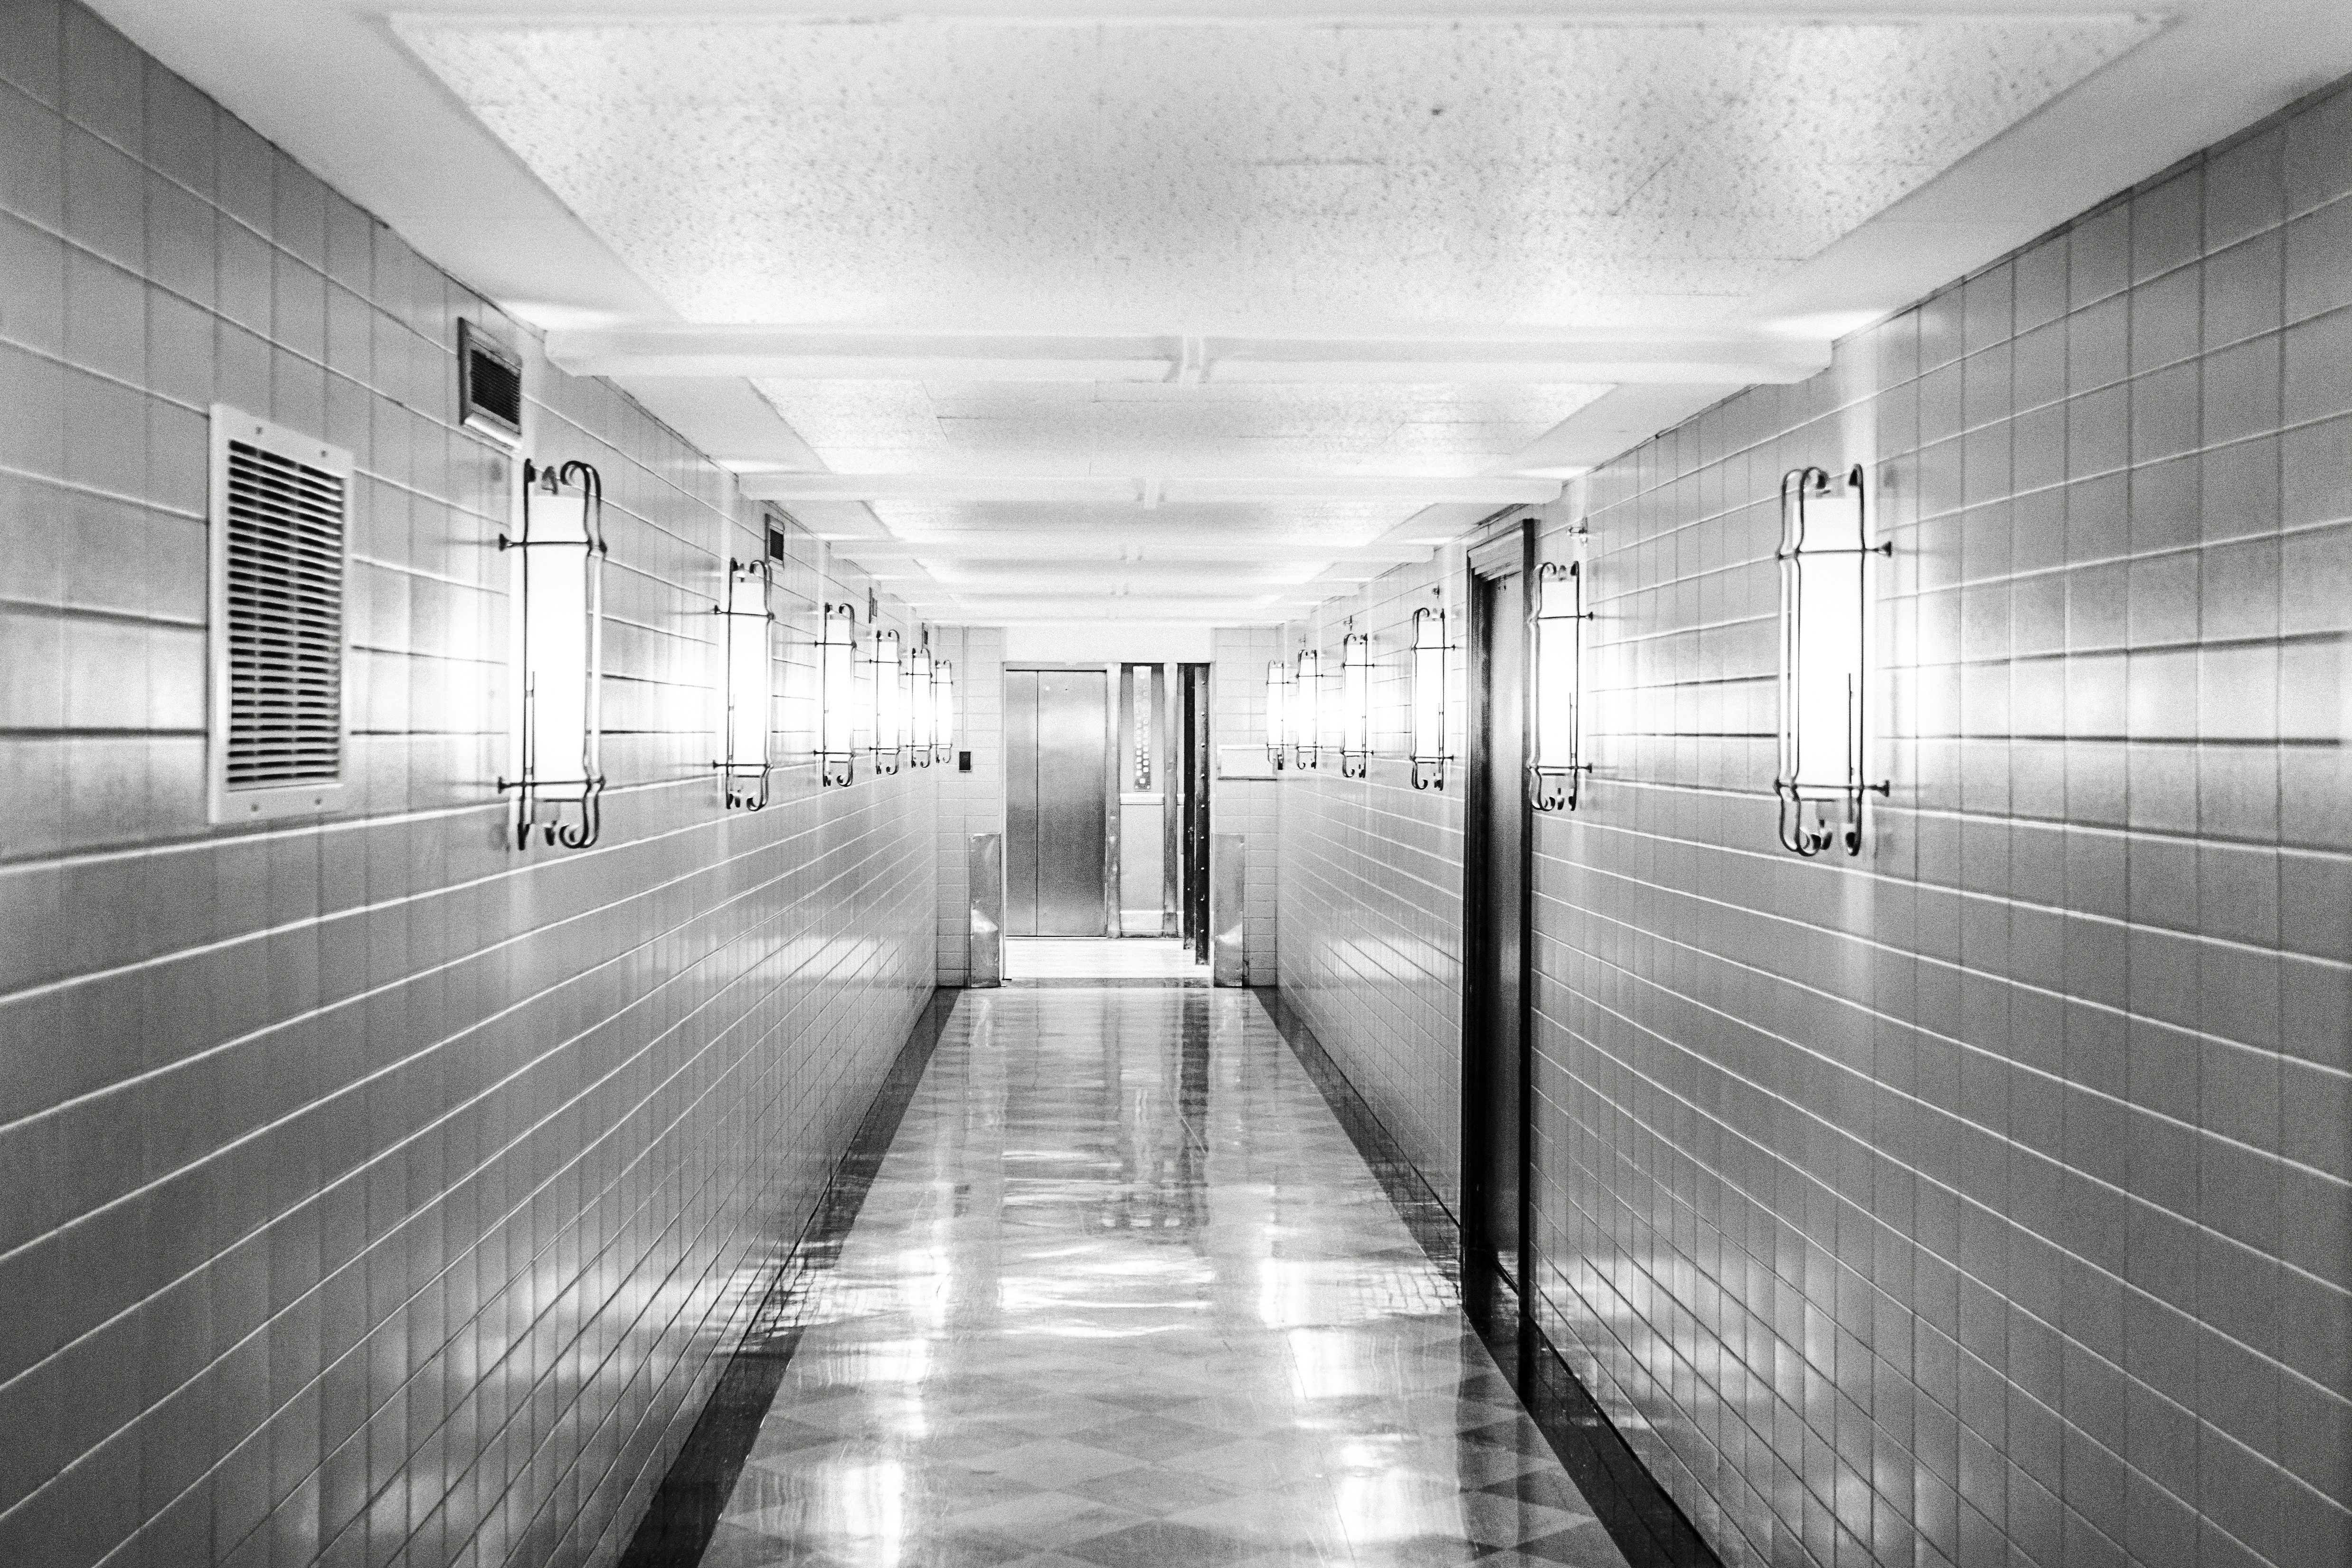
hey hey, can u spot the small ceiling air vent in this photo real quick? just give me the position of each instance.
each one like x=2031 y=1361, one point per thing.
x=281 y=561
x=489 y=385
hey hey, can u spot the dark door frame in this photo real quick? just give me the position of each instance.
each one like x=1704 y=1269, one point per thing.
x=1193 y=811
x=1507 y=550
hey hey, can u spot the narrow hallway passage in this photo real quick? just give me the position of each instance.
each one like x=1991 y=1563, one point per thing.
x=1226 y=782
x=1123 y=1292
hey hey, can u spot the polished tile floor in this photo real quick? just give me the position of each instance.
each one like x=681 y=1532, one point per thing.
x=1124 y=1293
x=1100 y=958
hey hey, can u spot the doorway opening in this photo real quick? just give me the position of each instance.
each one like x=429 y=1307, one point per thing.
x=1106 y=802
x=1495 y=1109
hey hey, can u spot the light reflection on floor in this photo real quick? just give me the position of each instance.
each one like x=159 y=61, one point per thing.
x=1124 y=1293
x=1100 y=958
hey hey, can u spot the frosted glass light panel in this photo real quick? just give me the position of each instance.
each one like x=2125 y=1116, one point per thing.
x=1427 y=740
x=943 y=698
x=1305 y=719
x=837 y=660
x=556 y=609
x=1356 y=705
x=1278 y=684
x=747 y=698
x=1331 y=726
x=921 y=706
x=1556 y=767
x=1825 y=556
x=889 y=704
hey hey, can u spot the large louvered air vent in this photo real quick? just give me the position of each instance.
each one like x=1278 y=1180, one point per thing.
x=489 y=385
x=280 y=555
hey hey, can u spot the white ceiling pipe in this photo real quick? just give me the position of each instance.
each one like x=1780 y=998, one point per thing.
x=797 y=353
x=1066 y=548
x=1154 y=491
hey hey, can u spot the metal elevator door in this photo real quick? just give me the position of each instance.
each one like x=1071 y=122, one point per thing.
x=1056 y=770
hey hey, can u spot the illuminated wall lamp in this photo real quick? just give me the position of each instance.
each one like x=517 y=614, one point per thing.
x=1278 y=688
x=922 y=704
x=837 y=663
x=1355 y=706
x=1825 y=554
x=557 y=652
x=1427 y=745
x=889 y=736
x=943 y=712
x=1304 y=714
x=1556 y=767
x=746 y=703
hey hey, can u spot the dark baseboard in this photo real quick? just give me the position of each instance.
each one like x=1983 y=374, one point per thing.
x=1647 y=1525
x=677 y=1527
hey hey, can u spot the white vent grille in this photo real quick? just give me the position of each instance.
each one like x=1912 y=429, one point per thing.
x=280 y=551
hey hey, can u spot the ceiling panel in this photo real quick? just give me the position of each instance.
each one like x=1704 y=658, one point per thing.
x=1236 y=525
x=1042 y=427
x=1279 y=178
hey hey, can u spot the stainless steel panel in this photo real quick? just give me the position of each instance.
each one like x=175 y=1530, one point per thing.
x=1499 y=1073
x=1146 y=779
x=1228 y=881
x=1142 y=864
x=984 y=873
x=1020 y=847
x=1073 y=755
x=1057 y=768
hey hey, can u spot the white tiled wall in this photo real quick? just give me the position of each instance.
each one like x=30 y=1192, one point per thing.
x=1988 y=1198
x=1250 y=807
x=1371 y=896
x=374 y=1193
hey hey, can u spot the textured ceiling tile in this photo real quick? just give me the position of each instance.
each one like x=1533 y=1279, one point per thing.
x=1241 y=178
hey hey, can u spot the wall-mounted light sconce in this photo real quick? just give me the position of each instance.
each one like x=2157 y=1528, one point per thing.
x=746 y=703
x=889 y=735
x=1305 y=714
x=1427 y=747
x=1278 y=690
x=943 y=709
x=1355 y=705
x=836 y=676
x=922 y=703
x=1825 y=554
x=1556 y=766
x=557 y=612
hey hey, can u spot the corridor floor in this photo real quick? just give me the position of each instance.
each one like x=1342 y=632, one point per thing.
x=1122 y=1293
x=1100 y=958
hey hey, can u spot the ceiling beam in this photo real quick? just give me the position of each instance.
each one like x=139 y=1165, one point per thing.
x=1150 y=491
x=655 y=351
x=1092 y=550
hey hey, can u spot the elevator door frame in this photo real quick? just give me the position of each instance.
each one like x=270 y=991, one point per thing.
x=1109 y=672
x=1192 y=807
x=1508 y=551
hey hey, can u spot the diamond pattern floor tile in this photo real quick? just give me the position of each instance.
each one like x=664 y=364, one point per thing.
x=1123 y=1295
